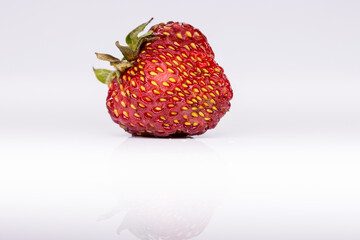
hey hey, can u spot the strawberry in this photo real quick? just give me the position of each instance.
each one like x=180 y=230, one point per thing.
x=168 y=83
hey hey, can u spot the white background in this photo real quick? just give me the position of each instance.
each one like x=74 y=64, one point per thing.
x=282 y=164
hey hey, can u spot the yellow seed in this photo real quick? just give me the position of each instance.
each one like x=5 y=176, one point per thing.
x=142 y=78
x=214 y=108
x=213 y=101
x=185 y=117
x=116 y=99
x=188 y=82
x=162 y=56
x=147 y=44
x=154 y=83
x=141 y=67
x=209 y=110
x=169 y=64
x=210 y=87
x=141 y=123
x=162 y=99
x=195 y=124
x=179 y=58
x=134 y=95
x=176 y=99
x=123 y=93
x=179 y=35
x=147 y=99
x=206 y=104
x=141 y=105
x=205 y=70
x=153 y=73
x=177 y=44
x=194 y=108
x=204 y=89
x=169 y=93
x=202 y=82
x=166 y=125
x=189 y=102
x=172 y=48
x=142 y=73
x=116 y=112
x=165 y=84
x=172 y=80
x=184 y=108
x=161 y=46
x=158 y=108
x=122 y=126
x=174 y=61
x=124 y=77
x=166 y=33
x=136 y=115
x=177 y=89
x=204 y=96
x=162 y=118
x=180 y=94
x=148 y=114
x=213 y=95
x=219 y=84
x=143 y=88
x=188 y=34
x=169 y=55
x=132 y=72
x=193 y=45
x=173 y=113
x=129 y=78
x=133 y=83
x=187 y=123
x=185 y=73
x=176 y=121
x=194 y=100
x=196 y=34
x=194 y=114
x=159 y=69
x=184 y=85
x=196 y=90
x=184 y=55
x=125 y=114
x=202 y=114
x=170 y=70
x=151 y=125
x=199 y=59
x=154 y=61
x=193 y=74
x=123 y=104
x=160 y=131
x=217 y=69
x=171 y=105
x=132 y=106
x=121 y=87
x=201 y=107
x=199 y=98
x=187 y=47
x=148 y=131
x=217 y=92
x=156 y=91
x=207 y=118
x=182 y=66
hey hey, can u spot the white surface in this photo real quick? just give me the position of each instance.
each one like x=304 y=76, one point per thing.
x=282 y=164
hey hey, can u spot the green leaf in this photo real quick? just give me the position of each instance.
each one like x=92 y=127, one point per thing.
x=103 y=75
x=132 y=38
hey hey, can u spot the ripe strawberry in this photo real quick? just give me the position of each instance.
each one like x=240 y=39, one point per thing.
x=168 y=83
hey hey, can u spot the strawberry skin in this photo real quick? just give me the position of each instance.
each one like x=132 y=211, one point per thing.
x=173 y=88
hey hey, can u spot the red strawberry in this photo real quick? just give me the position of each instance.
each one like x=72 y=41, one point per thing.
x=169 y=83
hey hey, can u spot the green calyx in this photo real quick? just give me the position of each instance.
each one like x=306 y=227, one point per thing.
x=130 y=53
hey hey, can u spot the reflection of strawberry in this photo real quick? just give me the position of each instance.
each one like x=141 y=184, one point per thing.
x=168 y=84
x=176 y=222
